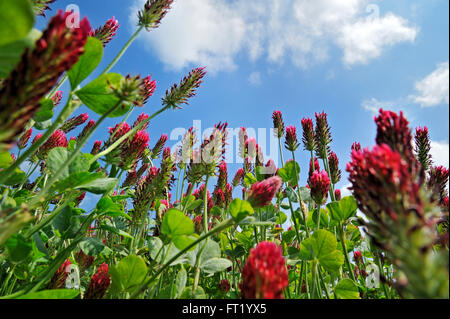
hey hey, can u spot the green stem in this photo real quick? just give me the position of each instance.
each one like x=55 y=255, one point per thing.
x=125 y=47
x=347 y=261
x=227 y=223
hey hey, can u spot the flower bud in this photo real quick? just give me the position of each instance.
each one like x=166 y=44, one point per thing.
x=308 y=134
x=23 y=140
x=179 y=94
x=99 y=284
x=320 y=185
x=106 y=32
x=262 y=193
x=278 y=124
x=291 y=142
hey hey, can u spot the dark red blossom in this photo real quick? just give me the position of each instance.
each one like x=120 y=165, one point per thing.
x=84 y=261
x=291 y=141
x=239 y=177
x=423 y=147
x=333 y=163
x=356 y=146
x=308 y=134
x=320 y=185
x=437 y=182
x=262 y=193
x=140 y=119
x=313 y=166
x=99 y=284
x=224 y=286
x=357 y=256
x=86 y=130
x=278 y=124
x=156 y=151
x=148 y=87
x=264 y=275
x=96 y=147
x=59 y=277
x=337 y=195
x=57 y=139
x=58 y=49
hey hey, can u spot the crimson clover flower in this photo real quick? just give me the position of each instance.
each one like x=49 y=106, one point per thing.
x=23 y=140
x=96 y=147
x=59 y=277
x=86 y=130
x=99 y=284
x=320 y=185
x=262 y=193
x=56 y=98
x=239 y=177
x=140 y=119
x=106 y=32
x=264 y=275
x=356 y=146
x=243 y=136
x=437 y=182
x=179 y=94
x=291 y=141
x=423 y=147
x=224 y=286
x=278 y=124
x=335 y=172
x=153 y=12
x=83 y=260
x=133 y=89
x=322 y=136
x=57 y=139
x=308 y=134
x=146 y=191
x=337 y=195
x=313 y=169
x=58 y=49
x=133 y=150
x=74 y=122
x=157 y=149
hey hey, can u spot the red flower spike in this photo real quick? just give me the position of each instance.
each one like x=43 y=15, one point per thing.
x=57 y=97
x=57 y=139
x=224 y=286
x=58 y=49
x=99 y=284
x=140 y=119
x=320 y=185
x=357 y=256
x=423 y=147
x=278 y=124
x=322 y=136
x=291 y=142
x=262 y=193
x=59 y=277
x=308 y=134
x=86 y=130
x=264 y=275
x=23 y=140
x=337 y=195
x=74 y=122
x=157 y=149
x=335 y=172
x=356 y=146
x=238 y=178
x=153 y=12
x=96 y=148
x=106 y=32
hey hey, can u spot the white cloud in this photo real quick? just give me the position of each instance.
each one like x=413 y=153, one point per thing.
x=434 y=89
x=439 y=153
x=214 y=32
x=255 y=78
x=373 y=105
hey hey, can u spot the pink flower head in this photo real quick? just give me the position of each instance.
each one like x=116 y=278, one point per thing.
x=106 y=32
x=134 y=149
x=278 y=124
x=356 y=146
x=323 y=135
x=147 y=88
x=337 y=195
x=99 y=284
x=262 y=193
x=57 y=139
x=357 y=256
x=118 y=131
x=224 y=286
x=86 y=130
x=140 y=119
x=57 y=97
x=264 y=275
x=96 y=148
x=311 y=168
x=239 y=177
x=291 y=142
x=320 y=185
x=308 y=134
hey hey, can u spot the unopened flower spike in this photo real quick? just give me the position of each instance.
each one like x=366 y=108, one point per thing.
x=291 y=141
x=278 y=124
x=86 y=130
x=322 y=135
x=423 y=147
x=40 y=6
x=74 y=122
x=153 y=12
x=157 y=149
x=179 y=94
x=308 y=134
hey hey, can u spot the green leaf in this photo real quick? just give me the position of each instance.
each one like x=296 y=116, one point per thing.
x=214 y=265
x=10 y=53
x=16 y=20
x=52 y=294
x=239 y=209
x=249 y=179
x=292 y=195
x=18 y=247
x=290 y=172
x=183 y=241
x=343 y=210
x=68 y=222
x=45 y=112
x=332 y=261
x=189 y=294
x=180 y=282
x=96 y=95
x=77 y=179
x=92 y=247
x=5 y=160
x=346 y=289
x=56 y=158
x=99 y=185
x=154 y=247
x=129 y=273
x=175 y=223
x=93 y=53
x=15 y=178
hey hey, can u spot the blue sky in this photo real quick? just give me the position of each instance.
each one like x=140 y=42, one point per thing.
x=347 y=58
